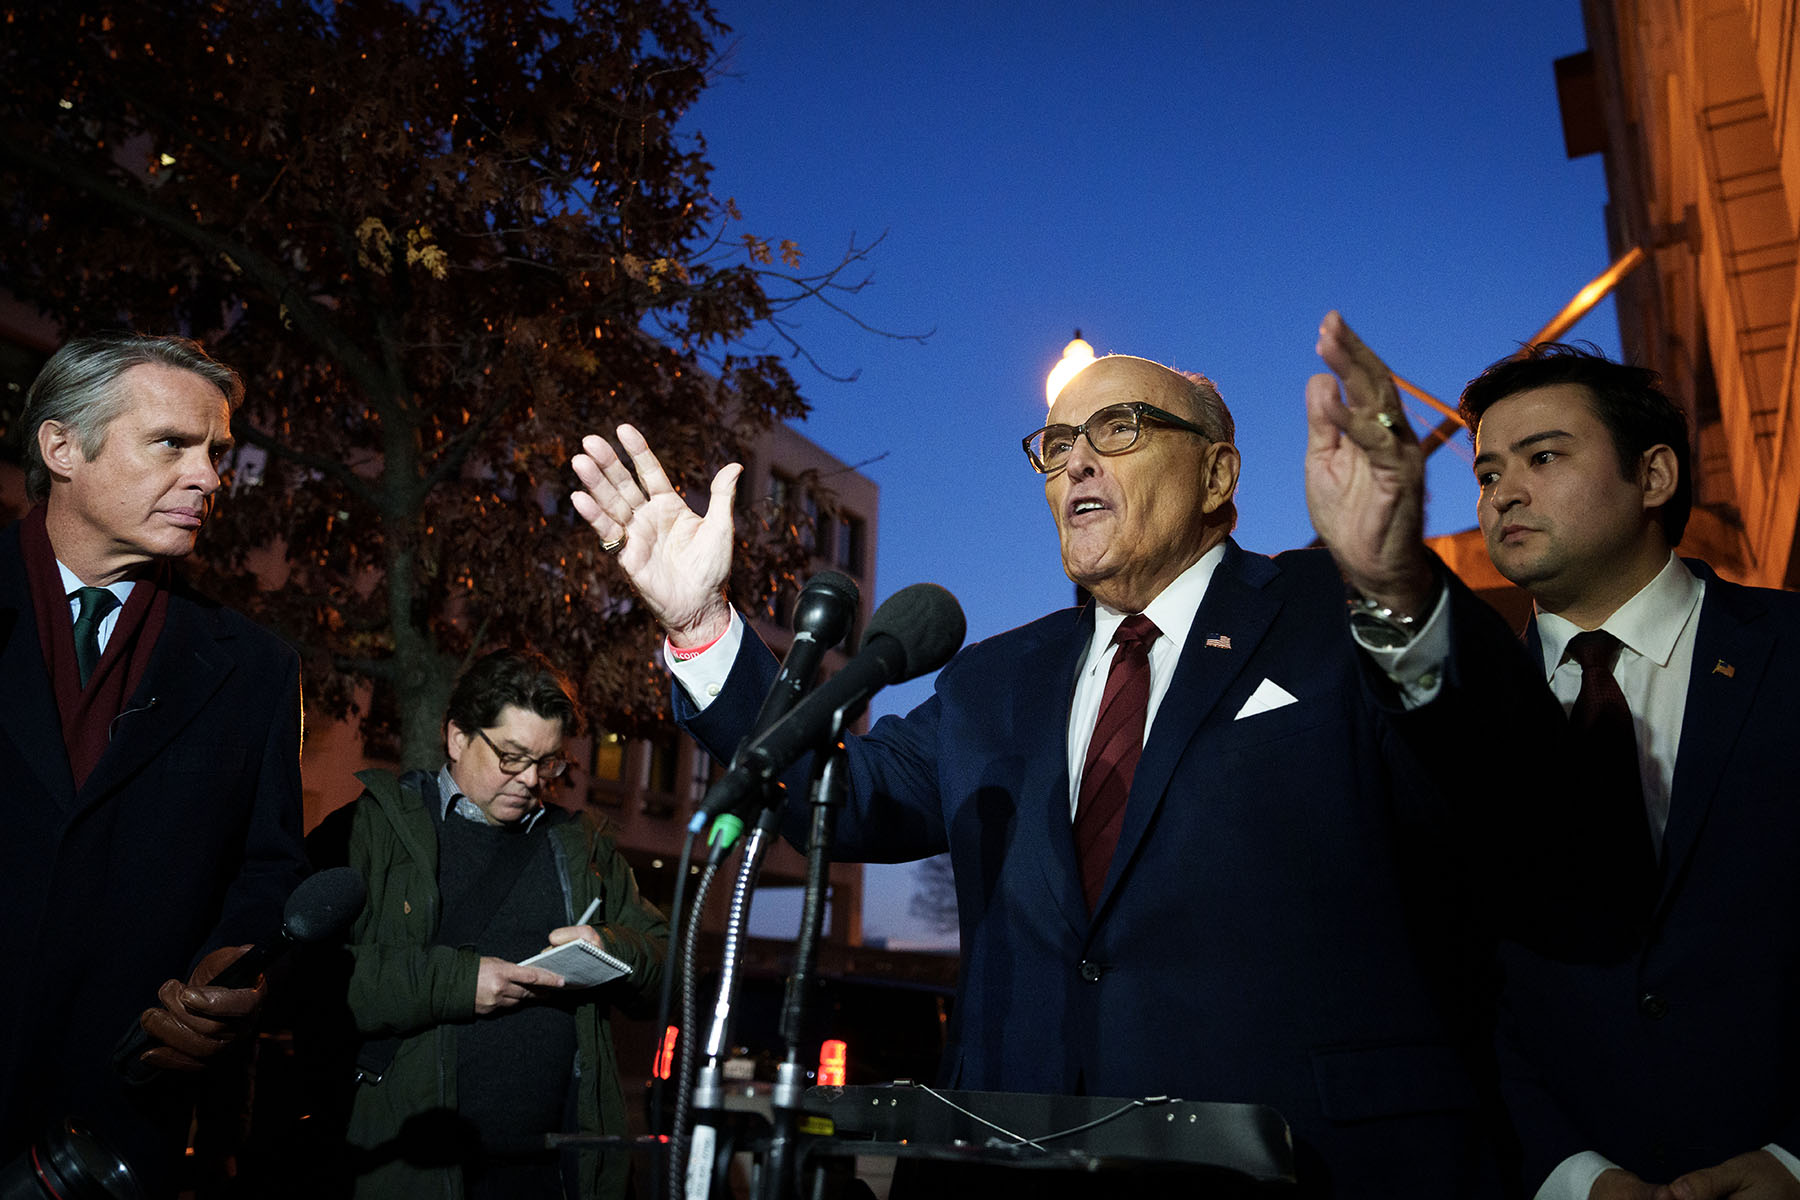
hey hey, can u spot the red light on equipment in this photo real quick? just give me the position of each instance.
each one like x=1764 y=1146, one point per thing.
x=834 y=1057
x=666 y=1054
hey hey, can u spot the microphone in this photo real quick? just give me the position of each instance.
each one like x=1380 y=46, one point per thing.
x=913 y=633
x=822 y=618
x=321 y=909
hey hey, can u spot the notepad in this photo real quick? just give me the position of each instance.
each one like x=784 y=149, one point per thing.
x=581 y=964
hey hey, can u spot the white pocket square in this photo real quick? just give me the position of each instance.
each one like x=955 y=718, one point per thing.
x=1268 y=695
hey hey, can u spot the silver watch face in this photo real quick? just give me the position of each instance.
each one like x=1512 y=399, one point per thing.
x=1383 y=635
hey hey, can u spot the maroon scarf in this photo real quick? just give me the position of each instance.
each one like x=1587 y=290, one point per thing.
x=87 y=713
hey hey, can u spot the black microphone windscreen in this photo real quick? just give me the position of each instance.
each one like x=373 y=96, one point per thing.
x=325 y=905
x=927 y=622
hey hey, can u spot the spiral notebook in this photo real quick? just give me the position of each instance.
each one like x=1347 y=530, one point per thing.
x=581 y=964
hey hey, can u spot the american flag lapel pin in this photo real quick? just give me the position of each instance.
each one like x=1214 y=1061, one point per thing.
x=1724 y=668
x=1222 y=642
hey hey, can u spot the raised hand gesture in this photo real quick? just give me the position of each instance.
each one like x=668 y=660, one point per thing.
x=676 y=560
x=1365 y=474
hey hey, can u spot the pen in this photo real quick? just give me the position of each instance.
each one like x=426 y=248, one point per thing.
x=593 y=905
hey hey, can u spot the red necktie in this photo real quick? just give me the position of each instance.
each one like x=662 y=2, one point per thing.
x=1113 y=753
x=1602 y=722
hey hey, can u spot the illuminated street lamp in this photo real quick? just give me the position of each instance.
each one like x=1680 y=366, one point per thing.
x=1075 y=357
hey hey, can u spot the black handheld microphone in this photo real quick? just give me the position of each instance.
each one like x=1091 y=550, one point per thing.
x=321 y=909
x=914 y=632
x=822 y=618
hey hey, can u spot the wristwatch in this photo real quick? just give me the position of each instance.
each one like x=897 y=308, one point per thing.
x=1380 y=626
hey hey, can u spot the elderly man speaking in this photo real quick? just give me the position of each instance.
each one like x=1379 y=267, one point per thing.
x=1197 y=846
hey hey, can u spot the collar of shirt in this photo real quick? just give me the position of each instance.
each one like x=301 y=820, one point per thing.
x=1173 y=613
x=71 y=583
x=1650 y=623
x=453 y=797
x=121 y=591
x=1658 y=628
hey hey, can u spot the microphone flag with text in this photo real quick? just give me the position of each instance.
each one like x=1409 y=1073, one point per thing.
x=913 y=633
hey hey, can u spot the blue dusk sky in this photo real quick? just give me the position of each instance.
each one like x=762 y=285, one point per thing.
x=1194 y=183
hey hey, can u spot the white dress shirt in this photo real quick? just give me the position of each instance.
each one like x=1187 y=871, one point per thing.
x=1172 y=612
x=1656 y=631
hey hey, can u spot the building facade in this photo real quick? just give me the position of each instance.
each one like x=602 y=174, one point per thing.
x=1694 y=105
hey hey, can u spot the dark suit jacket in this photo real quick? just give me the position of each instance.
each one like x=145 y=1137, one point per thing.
x=1287 y=917
x=1685 y=1050
x=185 y=838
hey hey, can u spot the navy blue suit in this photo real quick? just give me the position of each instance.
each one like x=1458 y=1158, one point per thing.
x=185 y=838
x=1287 y=919
x=1685 y=1050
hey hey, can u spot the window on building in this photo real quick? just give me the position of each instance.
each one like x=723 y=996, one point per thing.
x=852 y=534
x=664 y=750
x=809 y=523
x=606 y=773
x=609 y=757
x=701 y=773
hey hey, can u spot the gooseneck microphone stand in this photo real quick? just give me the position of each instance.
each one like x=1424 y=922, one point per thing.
x=709 y=1154
x=708 y=1148
x=829 y=787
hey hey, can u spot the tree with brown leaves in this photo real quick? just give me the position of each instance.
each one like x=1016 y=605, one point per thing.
x=441 y=242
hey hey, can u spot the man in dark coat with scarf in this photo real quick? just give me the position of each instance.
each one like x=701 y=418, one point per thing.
x=150 y=746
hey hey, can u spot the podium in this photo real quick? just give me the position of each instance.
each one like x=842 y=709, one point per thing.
x=1039 y=1147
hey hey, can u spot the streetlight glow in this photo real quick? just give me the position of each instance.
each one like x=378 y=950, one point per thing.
x=1076 y=356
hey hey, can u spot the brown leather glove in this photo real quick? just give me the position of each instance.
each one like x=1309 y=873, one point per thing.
x=195 y=1021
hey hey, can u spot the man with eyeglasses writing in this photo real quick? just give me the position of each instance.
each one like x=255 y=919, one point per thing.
x=473 y=1058
x=1195 y=855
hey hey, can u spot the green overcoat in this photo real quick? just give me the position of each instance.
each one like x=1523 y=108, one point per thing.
x=401 y=985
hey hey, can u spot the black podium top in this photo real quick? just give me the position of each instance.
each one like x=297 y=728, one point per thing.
x=1160 y=1136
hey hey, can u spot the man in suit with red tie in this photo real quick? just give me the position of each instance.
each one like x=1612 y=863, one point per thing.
x=1669 y=1054
x=1195 y=853
x=150 y=748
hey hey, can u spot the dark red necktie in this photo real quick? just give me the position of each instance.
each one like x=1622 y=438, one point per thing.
x=1113 y=753
x=1607 y=743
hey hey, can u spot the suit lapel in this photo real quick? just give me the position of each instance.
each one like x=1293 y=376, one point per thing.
x=1237 y=609
x=1534 y=645
x=186 y=668
x=1043 y=725
x=29 y=716
x=1731 y=651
